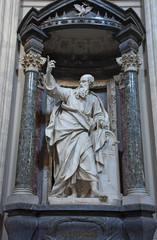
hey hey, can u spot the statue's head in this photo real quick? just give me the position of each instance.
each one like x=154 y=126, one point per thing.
x=86 y=79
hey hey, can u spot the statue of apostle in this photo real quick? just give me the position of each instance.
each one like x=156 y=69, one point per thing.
x=77 y=133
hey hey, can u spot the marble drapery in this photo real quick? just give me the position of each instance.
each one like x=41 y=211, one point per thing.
x=70 y=129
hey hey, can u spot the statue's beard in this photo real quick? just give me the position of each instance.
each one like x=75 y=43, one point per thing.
x=81 y=92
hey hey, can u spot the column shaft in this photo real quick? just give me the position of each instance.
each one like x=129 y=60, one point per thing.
x=25 y=160
x=23 y=190
x=137 y=192
x=133 y=132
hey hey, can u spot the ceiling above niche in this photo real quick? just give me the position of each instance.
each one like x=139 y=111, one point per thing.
x=81 y=42
x=83 y=49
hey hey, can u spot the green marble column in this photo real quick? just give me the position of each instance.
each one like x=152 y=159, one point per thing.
x=133 y=132
x=24 y=168
x=23 y=190
x=130 y=63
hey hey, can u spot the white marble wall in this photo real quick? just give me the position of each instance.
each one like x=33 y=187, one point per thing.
x=9 y=12
x=150 y=17
x=27 y=4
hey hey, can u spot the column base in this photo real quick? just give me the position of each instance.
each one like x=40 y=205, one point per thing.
x=22 y=197
x=137 y=195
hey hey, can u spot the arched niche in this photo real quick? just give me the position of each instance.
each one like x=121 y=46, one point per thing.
x=81 y=43
x=86 y=42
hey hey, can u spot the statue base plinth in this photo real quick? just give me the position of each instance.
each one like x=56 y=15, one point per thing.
x=78 y=221
x=90 y=201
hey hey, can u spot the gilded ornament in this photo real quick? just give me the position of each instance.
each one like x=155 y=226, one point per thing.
x=32 y=61
x=130 y=61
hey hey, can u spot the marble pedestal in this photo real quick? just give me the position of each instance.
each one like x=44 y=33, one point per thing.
x=94 y=222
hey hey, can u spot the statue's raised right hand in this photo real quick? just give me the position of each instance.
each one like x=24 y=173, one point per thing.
x=50 y=65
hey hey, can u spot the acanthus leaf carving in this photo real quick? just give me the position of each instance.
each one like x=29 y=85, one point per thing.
x=32 y=61
x=130 y=61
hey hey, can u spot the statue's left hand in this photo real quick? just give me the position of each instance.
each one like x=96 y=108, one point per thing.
x=102 y=124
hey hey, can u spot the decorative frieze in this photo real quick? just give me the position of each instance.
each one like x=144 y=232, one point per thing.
x=32 y=62
x=130 y=61
x=85 y=16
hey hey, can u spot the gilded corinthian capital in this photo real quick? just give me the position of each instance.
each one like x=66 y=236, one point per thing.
x=130 y=61
x=32 y=62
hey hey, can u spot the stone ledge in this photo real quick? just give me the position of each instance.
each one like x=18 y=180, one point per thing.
x=70 y=221
x=78 y=209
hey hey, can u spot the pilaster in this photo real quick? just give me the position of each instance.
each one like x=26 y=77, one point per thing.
x=9 y=16
x=150 y=15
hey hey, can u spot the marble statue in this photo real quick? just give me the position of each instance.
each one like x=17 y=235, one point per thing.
x=76 y=132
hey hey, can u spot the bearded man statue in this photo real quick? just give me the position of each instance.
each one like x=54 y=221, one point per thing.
x=77 y=133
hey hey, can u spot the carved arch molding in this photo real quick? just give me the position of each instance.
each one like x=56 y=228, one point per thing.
x=82 y=36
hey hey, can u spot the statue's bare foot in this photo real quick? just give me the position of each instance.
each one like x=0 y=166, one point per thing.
x=96 y=194
x=103 y=197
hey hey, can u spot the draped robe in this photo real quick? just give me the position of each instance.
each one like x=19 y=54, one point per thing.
x=70 y=131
